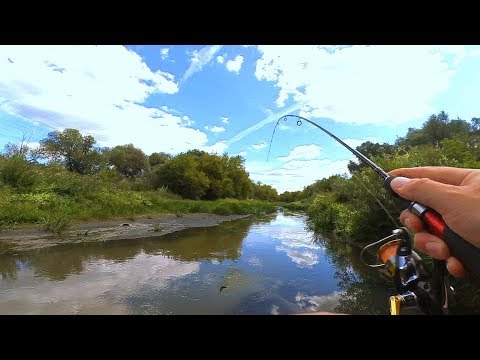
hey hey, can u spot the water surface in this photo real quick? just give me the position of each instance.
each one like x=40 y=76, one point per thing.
x=268 y=265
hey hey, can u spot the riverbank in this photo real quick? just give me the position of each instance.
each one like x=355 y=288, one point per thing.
x=34 y=237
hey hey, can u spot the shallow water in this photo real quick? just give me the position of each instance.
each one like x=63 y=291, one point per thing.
x=267 y=265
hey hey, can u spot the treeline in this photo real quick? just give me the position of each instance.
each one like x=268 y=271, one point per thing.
x=69 y=178
x=194 y=174
x=355 y=205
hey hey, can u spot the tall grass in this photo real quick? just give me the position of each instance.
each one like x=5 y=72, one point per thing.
x=53 y=196
x=35 y=208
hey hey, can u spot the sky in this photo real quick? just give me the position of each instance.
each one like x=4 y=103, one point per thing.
x=227 y=99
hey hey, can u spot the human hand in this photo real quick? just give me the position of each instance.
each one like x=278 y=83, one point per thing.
x=454 y=193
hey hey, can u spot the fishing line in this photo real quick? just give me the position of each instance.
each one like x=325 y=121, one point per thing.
x=379 y=202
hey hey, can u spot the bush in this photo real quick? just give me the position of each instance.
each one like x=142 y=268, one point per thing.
x=55 y=223
x=18 y=173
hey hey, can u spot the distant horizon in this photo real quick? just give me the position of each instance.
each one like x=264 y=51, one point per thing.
x=228 y=98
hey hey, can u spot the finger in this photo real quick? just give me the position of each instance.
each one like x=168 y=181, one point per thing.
x=455 y=267
x=431 y=245
x=443 y=174
x=434 y=194
x=411 y=221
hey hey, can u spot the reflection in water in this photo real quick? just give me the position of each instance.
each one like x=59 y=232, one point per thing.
x=301 y=258
x=57 y=263
x=365 y=290
x=268 y=265
x=323 y=302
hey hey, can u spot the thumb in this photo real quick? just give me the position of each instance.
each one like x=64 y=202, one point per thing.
x=431 y=193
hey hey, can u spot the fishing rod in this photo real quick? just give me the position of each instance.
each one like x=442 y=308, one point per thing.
x=416 y=285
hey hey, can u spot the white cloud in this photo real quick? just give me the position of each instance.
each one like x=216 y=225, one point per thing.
x=255 y=261
x=319 y=302
x=220 y=59
x=303 y=259
x=33 y=145
x=360 y=84
x=474 y=52
x=217 y=148
x=214 y=128
x=357 y=142
x=242 y=153
x=97 y=90
x=201 y=58
x=217 y=129
x=187 y=121
x=259 y=146
x=302 y=152
x=268 y=120
x=170 y=111
x=164 y=53
x=295 y=174
x=235 y=65
x=108 y=283
x=225 y=120
x=297 y=244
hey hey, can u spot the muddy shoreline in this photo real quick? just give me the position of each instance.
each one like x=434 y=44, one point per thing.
x=29 y=238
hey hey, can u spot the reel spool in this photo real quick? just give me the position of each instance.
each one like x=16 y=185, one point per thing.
x=412 y=280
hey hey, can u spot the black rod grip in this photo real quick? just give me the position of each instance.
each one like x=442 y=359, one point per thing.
x=465 y=252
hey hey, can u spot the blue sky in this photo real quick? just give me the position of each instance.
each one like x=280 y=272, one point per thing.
x=220 y=99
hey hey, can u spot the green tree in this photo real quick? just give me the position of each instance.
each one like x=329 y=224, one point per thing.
x=158 y=158
x=475 y=124
x=242 y=185
x=128 y=160
x=369 y=149
x=197 y=174
x=264 y=192
x=434 y=130
x=291 y=196
x=76 y=152
x=182 y=175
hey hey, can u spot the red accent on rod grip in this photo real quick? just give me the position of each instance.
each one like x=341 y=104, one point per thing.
x=434 y=223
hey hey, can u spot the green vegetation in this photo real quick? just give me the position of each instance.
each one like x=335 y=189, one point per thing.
x=157 y=227
x=67 y=178
x=55 y=223
x=354 y=206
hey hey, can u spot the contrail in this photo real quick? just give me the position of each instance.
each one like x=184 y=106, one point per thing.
x=200 y=59
x=268 y=120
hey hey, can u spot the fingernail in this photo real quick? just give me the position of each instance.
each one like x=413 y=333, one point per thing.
x=434 y=249
x=408 y=223
x=399 y=182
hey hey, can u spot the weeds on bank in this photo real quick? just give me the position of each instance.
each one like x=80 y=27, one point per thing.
x=55 y=223
x=157 y=227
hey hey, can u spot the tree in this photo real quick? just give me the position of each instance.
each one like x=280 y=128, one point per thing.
x=182 y=176
x=158 y=158
x=242 y=185
x=291 y=196
x=128 y=160
x=369 y=149
x=197 y=174
x=264 y=192
x=434 y=130
x=475 y=124
x=69 y=147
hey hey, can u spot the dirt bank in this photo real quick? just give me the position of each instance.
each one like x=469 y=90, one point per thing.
x=28 y=238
